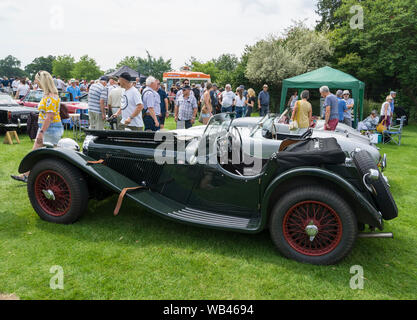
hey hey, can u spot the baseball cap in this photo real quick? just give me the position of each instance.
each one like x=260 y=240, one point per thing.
x=126 y=76
x=104 y=78
x=346 y=92
x=186 y=88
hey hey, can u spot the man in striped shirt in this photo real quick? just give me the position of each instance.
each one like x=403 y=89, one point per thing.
x=97 y=99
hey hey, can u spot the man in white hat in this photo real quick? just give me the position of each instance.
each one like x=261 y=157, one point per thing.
x=74 y=90
x=350 y=103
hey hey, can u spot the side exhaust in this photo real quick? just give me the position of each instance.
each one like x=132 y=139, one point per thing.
x=376 y=235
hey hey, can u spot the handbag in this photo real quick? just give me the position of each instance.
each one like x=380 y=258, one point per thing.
x=63 y=112
x=294 y=124
x=382 y=127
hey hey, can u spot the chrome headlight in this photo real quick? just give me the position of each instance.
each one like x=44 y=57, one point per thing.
x=68 y=144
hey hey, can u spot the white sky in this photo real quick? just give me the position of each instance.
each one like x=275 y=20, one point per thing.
x=109 y=30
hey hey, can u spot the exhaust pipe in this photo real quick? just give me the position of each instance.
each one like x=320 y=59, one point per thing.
x=376 y=236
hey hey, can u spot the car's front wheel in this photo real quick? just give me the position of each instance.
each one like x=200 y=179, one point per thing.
x=58 y=191
x=313 y=225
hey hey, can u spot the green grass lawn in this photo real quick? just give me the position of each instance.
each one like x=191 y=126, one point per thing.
x=139 y=256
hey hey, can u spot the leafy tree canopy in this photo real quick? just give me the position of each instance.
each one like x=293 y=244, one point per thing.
x=383 y=53
x=40 y=64
x=63 y=66
x=10 y=67
x=149 y=66
x=298 y=51
x=86 y=68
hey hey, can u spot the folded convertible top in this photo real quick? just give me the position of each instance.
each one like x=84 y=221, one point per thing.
x=311 y=152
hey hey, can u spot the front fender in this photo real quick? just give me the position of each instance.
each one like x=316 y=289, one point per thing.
x=107 y=176
x=363 y=209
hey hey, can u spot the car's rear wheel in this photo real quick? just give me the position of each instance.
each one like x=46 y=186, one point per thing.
x=58 y=191
x=313 y=225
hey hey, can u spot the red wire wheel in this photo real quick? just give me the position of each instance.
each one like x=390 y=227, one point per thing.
x=53 y=193
x=324 y=223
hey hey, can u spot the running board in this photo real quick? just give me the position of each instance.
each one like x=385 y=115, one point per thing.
x=173 y=210
x=214 y=219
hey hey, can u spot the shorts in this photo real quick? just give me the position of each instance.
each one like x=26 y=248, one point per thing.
x=227 y=109
x=96 y=121
x=161 y=120
x=333 y=125
x=53 y=134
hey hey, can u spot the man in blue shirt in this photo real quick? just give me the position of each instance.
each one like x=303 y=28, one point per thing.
x=164 y=105
x=74 y=90
x=342 y=106
x=264 y=101
x=331 y=105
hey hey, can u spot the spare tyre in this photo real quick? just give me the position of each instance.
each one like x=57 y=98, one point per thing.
x=382 y=194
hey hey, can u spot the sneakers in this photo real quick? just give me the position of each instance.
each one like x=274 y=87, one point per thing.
x=21 y=178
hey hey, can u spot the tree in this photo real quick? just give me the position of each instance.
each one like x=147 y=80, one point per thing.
x=383 y=54
x=300 y=50
x=207 y=68
x=326 y=10
x=10 y=67
x=86 y=68
x=40 y=64
x=148 y=66
x=151 y=66
x=131 y=62
x=63 y=66
x=227 y=62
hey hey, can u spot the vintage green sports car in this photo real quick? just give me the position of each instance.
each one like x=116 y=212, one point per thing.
x=314 y=198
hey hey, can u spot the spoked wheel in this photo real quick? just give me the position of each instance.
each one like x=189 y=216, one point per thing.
x=53 y=193
x=58 y=191
x=312 y=228
x=313 y=225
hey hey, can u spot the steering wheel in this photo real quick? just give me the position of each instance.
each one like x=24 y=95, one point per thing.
x=226 y=145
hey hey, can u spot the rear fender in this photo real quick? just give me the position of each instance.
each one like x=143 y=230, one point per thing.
x=363 y=209
x=107 y=176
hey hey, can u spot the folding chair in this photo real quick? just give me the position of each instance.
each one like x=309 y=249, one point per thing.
x=394 y=133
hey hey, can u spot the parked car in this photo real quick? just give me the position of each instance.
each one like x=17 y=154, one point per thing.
x=270 y=132
x=313 y=197
x=33 y=98
x=12 y=115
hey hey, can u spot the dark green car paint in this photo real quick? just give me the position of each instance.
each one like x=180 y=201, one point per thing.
x=196 y=187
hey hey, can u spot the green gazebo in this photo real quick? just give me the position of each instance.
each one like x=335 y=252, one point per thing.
x=334 y=79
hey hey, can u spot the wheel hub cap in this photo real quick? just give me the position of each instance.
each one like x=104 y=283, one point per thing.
x=49 y=194
x=312 y=231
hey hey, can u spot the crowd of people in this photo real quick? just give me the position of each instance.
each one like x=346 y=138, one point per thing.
x=137 y=107
x=131 y=105
x=337 y=108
